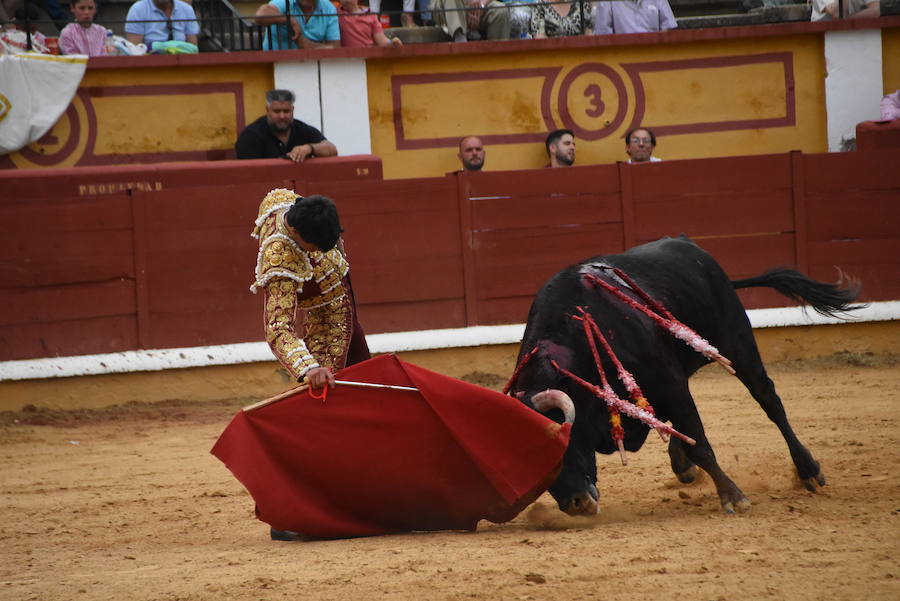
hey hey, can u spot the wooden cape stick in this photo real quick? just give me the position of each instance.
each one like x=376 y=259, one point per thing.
x=305 y=386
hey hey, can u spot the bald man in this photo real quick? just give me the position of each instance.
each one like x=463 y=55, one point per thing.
x=471 y=153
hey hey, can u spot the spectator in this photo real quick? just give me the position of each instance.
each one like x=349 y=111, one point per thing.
x=560 y=146
x=633 y=16
x=639 y=145
x=361 y=28
x=278 y=135
x=825 y=10
x=406 y=18
x=150 y=21
x=890 y=106
x=83 y=36
x=8 y=12
x=308 y=24
x=462 y=19
x=554 y=19
x=28 y=14
x=471 y=153
x=57 y=13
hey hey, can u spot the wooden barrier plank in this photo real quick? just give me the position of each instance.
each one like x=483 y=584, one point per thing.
x=200 y=262
x=405 y=317
x=719 y=177
x=74 y=337
x=875 y=263
x=48 y=304
x=403 y=243
x=599 y=179
x=64 y=259
x=518 y=262
x=64 y=241
x=828 y=172
x=526 y=210
x=699 y=214
x=849 y=214
x=34 y=184
x=748 y=256
x=499 y=311
x=204 y=326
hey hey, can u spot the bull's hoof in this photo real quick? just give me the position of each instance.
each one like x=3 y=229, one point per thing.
x=586 y=503
x=810 y=483
x=688 y=475
x=739 y=506
x=285 y=535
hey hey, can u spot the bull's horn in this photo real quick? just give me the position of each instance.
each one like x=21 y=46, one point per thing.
x=554 y=399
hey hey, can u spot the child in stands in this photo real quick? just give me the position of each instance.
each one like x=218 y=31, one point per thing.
x=83 y=36
x=361 y=28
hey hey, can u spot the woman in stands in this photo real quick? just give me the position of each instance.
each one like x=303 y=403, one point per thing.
x=553 y=19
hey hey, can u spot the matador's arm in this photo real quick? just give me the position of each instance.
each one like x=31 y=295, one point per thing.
x=280 y=315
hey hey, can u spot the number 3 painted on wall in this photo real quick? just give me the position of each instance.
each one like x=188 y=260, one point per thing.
x=597 y=106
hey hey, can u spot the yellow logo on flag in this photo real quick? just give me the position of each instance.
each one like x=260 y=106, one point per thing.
x=5 y=107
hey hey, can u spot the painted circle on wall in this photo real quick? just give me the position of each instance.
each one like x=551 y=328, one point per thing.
x=592 y=101
x=65 y=142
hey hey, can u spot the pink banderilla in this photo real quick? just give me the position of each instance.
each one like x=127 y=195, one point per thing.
x=625 y=407
x=515 y=375
x=672 y=325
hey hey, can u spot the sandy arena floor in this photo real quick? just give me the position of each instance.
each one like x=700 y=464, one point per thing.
x=128 y=504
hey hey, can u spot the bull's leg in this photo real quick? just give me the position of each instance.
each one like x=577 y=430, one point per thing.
x=684 y=468
x=763 y=390
x=686 y=419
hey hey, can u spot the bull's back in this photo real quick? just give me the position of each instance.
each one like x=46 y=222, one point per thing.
x=673 y=271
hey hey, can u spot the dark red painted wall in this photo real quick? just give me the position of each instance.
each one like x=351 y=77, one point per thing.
x=158 y=256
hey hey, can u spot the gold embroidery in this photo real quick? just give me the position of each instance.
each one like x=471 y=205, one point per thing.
x=328 y=331
x=279 y=197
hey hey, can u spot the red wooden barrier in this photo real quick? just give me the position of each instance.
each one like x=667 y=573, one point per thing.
x=156 y=256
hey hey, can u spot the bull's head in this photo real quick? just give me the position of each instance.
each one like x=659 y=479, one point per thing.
x=540 y=387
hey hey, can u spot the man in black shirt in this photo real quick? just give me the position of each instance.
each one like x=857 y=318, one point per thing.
x=278 y=135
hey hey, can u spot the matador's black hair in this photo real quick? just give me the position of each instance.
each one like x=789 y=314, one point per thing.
x=316 y=220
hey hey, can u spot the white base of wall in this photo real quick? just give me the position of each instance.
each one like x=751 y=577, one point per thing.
x=251 y=352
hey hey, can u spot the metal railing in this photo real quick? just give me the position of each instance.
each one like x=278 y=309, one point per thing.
x=224 y=29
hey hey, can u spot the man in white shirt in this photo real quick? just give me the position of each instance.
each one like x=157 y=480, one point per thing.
x=633 y=16
x=639 y=145
x=827 y=10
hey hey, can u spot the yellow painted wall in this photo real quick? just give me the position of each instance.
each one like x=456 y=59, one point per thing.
x=153 y=110
x=890 y=59
x=697 y=83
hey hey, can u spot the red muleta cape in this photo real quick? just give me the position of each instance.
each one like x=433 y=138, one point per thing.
x=373 y=461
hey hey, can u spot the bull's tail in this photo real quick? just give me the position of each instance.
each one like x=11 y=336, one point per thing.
x=825 y=298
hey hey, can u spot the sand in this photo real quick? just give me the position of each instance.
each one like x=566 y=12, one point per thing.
x=127 y=503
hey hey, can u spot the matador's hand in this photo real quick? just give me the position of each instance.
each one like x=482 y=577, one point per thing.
x=318 y=377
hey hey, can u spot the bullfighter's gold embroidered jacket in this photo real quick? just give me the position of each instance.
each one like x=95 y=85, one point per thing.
x=308 y=314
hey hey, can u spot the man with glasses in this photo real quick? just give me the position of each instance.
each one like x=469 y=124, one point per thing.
x=150 y=21
x=639 y=145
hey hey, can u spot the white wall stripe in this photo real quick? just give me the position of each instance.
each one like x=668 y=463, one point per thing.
x=252 y=352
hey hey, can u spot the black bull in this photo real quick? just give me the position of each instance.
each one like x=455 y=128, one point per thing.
x=691 y=285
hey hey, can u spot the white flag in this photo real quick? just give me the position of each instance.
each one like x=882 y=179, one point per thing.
x=35 y=91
